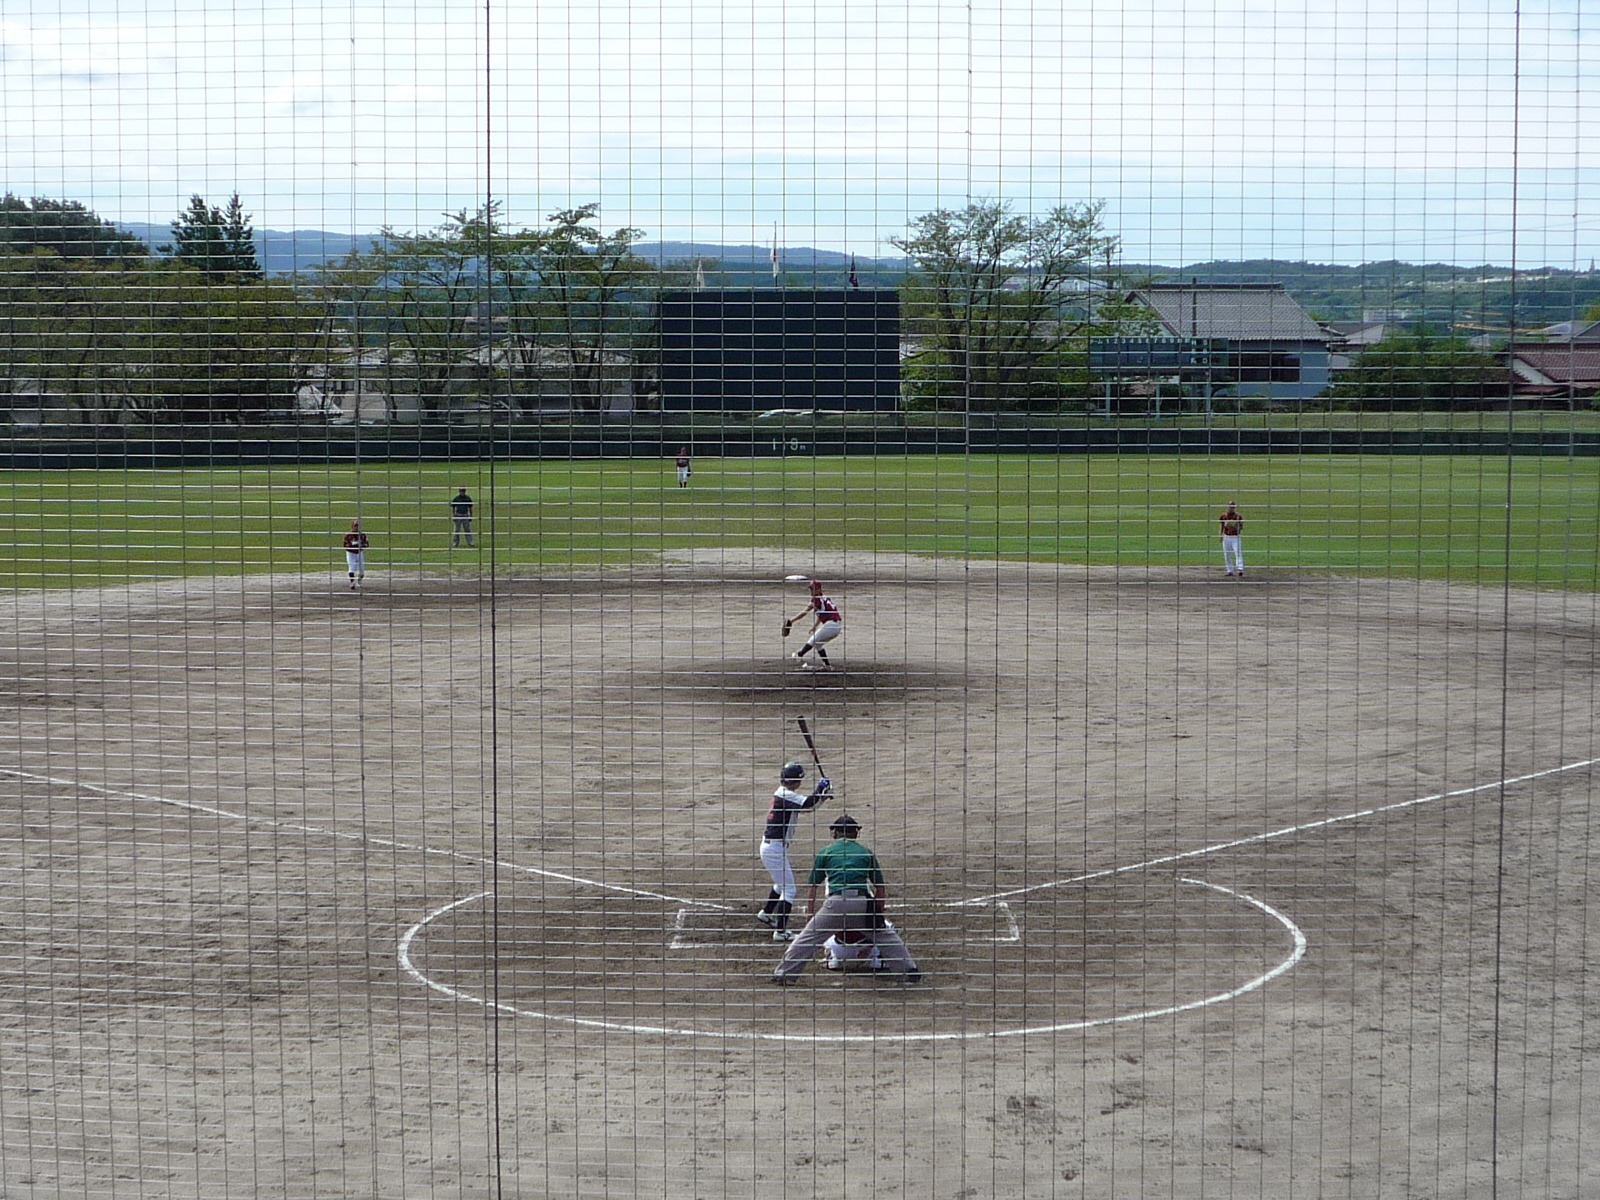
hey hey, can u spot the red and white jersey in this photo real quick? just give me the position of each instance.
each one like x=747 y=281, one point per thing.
x=355 y=541
x=1232 y=523
x=827 y=610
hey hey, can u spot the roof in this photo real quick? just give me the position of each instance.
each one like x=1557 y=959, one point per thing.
x=1571 y=331
x=1570 y=364
x=1357 y=333
x=1242 y=312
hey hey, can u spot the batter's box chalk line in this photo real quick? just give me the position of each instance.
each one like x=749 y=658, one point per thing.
x=683 y=933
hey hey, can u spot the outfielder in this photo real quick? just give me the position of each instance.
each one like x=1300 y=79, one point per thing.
x=787 y=804
x=355 y=554
x=1232 y=526
x=828 y=625
x=854 y=906
x=684 y=469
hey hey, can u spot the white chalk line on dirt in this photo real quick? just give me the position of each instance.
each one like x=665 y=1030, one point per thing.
x=1287 y=964
x=360 y=839
x=1298 y=951
x=1253 y=839
x=404 y=948
x=683 y=935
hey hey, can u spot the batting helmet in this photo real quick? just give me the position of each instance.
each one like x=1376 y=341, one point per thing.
x=792 y=772
x=845 y=826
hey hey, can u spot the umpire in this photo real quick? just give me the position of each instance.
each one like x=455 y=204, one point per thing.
x=856 y=893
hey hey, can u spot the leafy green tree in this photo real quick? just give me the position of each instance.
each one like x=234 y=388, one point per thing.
x=64 y=228
x=223 y=351
x=590 y=289
x=153 y=342
x=1421 y=370
x=995 y=301
x=450 y=309
x=218 y=242
x=431 y=301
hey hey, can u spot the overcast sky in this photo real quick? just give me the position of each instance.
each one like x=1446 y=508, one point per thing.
x=1438 y=130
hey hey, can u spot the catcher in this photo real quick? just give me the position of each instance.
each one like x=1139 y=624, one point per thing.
x=828 y=625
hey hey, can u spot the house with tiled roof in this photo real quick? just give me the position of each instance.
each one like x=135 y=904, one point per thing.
x=1256 y=339
x=1559 y=371
x=1557 y=364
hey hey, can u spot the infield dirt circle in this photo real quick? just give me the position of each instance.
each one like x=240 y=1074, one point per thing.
x=1219 y=886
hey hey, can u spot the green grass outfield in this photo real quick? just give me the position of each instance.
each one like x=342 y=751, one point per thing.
x=1434 y=516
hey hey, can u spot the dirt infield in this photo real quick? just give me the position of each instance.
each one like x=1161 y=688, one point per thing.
x=1283 y=886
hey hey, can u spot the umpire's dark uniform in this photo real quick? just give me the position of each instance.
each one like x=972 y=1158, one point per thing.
x=855 y=892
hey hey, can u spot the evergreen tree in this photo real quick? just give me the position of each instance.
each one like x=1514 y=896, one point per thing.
x=240 y=239
x=219 y=243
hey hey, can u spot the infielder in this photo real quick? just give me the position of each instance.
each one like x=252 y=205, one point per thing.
x=1232 y=525
x=684 y=470
x=854 y=906
x=828 y=625
x=355 y=554
x=787 y=804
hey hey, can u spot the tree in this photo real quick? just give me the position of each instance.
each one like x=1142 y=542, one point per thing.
x=64 y=228
x=1421 y=370
x=152 y=340
x=454 y=307
x=219 y=243
x=431 y=300
x=586 y=281
x=991 y=300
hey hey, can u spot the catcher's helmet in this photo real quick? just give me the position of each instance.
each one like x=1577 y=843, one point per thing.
x=792 y=772
x=844 y=825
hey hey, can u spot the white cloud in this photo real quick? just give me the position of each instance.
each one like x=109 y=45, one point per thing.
x=1212 y=126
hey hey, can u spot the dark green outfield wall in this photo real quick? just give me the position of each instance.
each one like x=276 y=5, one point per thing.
x=208 y=446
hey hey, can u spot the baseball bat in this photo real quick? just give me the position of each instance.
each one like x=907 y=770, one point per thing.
x=805 y=732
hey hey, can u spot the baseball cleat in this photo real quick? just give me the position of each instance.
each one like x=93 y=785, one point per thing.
x=767 y=918
x=913 y=976
x=782 y=935
x=782 y=981
x=809 y=666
